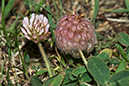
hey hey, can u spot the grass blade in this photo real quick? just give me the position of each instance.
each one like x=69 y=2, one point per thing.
x=8 y=8
x=117 y=10
x=127 y=4
x=96 y=9
x=61 y=13
x=37 y=8
x=4 y=28
x=43 y=8
x=56 y=9
x=51 y=23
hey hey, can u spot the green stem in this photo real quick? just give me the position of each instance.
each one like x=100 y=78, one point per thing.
x=17 y=45
x=23 y=63
x=2 y=68
x=56 y=9
x=45 y=58
x=61 y=8
x=5 y=30
x=83 y=57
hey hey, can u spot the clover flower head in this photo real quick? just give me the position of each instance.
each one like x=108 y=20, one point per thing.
x=74 y=33
x=36 y=28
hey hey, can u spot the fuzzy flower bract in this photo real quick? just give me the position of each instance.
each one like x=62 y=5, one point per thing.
x=73 y=33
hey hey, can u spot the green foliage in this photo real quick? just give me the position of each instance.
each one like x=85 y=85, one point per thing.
x=120 y=79
x=123 y=38
x=27 y=58
x=105 y=54
x=42 y=71
x=76 y=76
x=56 y=9
x=127 y=54
x=68 y=73
x=35 y=81
x=79 y=70
x=116 y=10
x=36 y=68
x=72 y=72
x=119 y=10
x=42 y=7
x=114 y=61
x=120 y=49
x=99 y=70
x=122 y=66
x=127 y=4
x=54 y=81
x=52 y=24
x=8 y=8
x=96 y=9
x=86 y=77
x=37 y=8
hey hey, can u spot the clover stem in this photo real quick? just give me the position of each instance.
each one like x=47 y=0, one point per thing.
x=45 y=59
x=83 y=57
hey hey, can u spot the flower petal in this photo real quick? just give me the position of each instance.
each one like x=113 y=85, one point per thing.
x=36 y=18
x=35 y=28
x=38 y=29
x=41 y=31
x=47 y=28
x=36 y=41
x=34 y=36
x=25 y=22
x=27 y=37
x=32 y=19
x=28 y=31
x=42 y=37
x=23 y=30
x=40 y=18
x=45 y=21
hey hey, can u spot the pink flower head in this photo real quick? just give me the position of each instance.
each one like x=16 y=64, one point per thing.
x=36 y=28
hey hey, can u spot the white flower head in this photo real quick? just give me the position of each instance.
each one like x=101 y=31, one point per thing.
x=36 y=28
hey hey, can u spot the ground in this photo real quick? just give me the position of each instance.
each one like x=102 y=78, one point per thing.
x=108 y=25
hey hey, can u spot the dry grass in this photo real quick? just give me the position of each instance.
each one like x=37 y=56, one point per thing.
x=108 y=24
